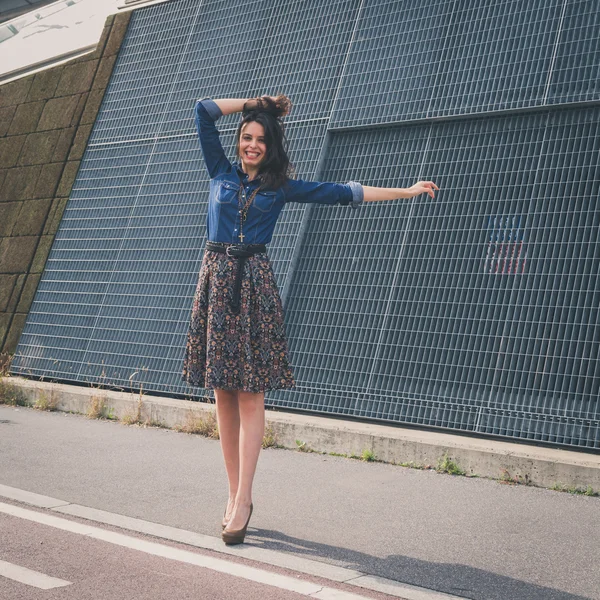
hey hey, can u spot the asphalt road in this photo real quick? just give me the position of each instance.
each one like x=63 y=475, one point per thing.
x=470 y=537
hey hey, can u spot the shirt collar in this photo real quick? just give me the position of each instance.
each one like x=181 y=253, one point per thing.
x=244 y=176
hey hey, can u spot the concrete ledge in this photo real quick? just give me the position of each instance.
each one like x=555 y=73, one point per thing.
x=543 y=467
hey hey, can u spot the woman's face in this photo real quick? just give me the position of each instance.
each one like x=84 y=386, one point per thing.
x=253 y=148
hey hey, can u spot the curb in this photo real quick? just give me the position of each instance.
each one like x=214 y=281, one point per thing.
x=495 y=459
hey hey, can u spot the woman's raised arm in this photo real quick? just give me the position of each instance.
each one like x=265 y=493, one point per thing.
x=230 y=105
x=233 y=105
x=372 y=194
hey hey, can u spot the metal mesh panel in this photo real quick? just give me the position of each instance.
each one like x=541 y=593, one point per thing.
x=112 y=288
x=393 y=62
x=471 y=312
x=303 y=53
x=424 y=59
x=477 y=311
x=219 y=59
x=141 y=86
x=340 y=287
x=576 y=68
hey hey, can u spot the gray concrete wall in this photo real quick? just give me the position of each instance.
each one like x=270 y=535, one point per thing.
x=45 y=121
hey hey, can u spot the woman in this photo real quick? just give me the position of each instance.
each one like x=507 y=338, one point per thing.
x=236 y=341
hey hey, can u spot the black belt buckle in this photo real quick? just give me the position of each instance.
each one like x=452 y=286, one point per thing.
x=235 y=248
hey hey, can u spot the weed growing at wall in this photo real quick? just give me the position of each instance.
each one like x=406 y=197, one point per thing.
x=11 y=394
x=447 y=465
x=572 y=489
x=46 y=401
x=206 y=426
x=270 y=438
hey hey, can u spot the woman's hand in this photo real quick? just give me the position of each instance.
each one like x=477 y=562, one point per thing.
x=422 y=187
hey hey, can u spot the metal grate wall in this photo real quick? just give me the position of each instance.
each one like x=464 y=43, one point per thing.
x=477 y=311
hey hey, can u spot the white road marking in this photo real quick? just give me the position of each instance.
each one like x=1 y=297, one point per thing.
x=207 y=542
x=29 y=577
x=30 y=498
x=270 y=557
x=208 y=562
x=393 y=588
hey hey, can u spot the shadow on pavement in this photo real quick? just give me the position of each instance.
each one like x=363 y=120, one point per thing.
x=461 y=580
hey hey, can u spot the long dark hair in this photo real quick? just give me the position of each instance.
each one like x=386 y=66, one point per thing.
x=275 y=168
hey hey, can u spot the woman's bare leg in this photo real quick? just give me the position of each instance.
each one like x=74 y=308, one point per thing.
x=252 y=431
x=228 y=419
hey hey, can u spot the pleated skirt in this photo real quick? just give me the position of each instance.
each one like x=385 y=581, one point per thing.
x=245 y=351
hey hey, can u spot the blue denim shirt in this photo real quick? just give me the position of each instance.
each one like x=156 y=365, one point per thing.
x=223 y=219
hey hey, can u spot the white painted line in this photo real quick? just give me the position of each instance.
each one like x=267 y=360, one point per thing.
x=270 y=557
x=215 y=564
x=44 y=519
x=333 y=594
x=403 y=590
x=30 y=498
x=207 y=542
x=29 y=577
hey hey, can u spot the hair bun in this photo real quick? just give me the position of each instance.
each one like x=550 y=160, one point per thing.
x=278 y=106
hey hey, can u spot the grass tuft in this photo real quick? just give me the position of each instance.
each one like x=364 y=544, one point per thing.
x=447 y=465
x=97 y=408
x=573 y=489
x=12 y=395
x=368 y=455
x=206 y=426
x=135 y=418
x=303 y=446
x=270 y=439
x=5 y=362
x=45 y=402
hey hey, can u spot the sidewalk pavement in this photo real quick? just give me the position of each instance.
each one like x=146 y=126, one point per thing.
x=470 y=537
x=493 y=458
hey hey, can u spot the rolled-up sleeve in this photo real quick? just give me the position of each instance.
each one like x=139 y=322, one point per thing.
x=207 y=112
x=298 y=190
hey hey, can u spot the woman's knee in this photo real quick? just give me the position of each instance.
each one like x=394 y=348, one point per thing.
x=226 y=395
x=251 y=396
x=251 y=403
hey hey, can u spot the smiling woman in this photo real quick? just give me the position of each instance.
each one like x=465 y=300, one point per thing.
x=236 y=341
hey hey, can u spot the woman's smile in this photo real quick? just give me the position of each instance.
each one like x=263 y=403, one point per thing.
x=252 y=144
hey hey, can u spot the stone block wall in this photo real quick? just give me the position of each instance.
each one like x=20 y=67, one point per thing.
x=45 y=122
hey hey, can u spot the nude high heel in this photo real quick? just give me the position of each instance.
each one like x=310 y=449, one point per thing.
x=236 y=536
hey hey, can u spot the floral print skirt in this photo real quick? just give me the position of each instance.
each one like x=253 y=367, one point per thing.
x=245 y=351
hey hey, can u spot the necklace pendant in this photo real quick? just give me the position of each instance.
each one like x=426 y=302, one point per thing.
x=241 y=237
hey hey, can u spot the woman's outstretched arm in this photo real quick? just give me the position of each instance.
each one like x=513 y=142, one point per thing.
x=372 y=194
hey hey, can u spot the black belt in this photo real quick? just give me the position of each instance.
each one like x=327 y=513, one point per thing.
x=241 y=252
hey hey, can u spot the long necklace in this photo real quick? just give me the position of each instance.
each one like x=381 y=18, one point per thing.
x=243 y=212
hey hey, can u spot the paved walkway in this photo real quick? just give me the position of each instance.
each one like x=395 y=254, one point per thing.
x=472 y=538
